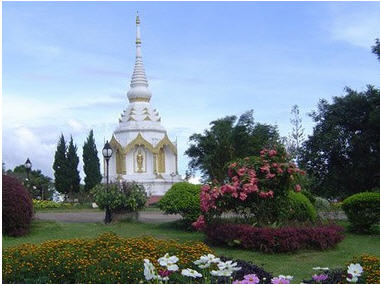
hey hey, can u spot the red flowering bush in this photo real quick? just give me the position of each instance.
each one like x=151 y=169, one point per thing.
x=273 y=240
x=17 y=207
x=257 y=186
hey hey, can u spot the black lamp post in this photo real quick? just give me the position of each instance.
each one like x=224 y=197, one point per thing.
x=28 y=167
x=107 y=153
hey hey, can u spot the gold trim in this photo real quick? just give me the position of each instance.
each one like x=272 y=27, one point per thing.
x=139 y=141
x=133 y=100
x=147 y=118
x=131 y=119
x=161 y=160
x=166 y=141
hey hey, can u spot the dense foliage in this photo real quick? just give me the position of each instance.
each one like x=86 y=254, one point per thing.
x=91 y=165
x=130 y=197
x=17 y=207
x=273 y=240
x=228 y=140
x=376 y=48
x=343 y=153
x=60 y=167
x=362 y=210
x=258 y=187
x=46 y=204
x=105 y=259
x=38 y=185
x=72 y=173
x=301 y=209
x=182 y=198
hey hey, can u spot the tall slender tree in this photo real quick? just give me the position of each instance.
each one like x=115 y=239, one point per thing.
x=297 y=136
x=91 y=165
x=73 y=173
x=60 y=167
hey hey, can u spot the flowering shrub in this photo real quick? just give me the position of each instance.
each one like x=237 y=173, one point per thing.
x=371 y=267
x=362 y=210
x=105 y=259
x=259 y=185
x=17 y=207
x=129 y=197
x=287 y=239
x=44 y=204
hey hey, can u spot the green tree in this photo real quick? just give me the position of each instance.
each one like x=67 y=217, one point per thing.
x=91 y=165
x=39 y=185
x=343 y=153
x=228 y=138
x=376 y=48
x=72 y=171
x=296 y=137
x=60 y=167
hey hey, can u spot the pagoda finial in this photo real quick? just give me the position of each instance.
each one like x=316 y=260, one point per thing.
x=139 y=84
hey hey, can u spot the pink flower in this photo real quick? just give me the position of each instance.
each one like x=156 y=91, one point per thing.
x=200 y=224
x=243 y=196
x=272 y=153
x=253 y=188
x=262 y=194
x=270 y=193
x=274 y=165
x=265 y=168
x=270 y=176
x=251 y=279
x=241 y=171
x=232 y=165
x=280 y=280
x=297 y=188
x=279 y=171
x=235 y=179
x=320 y=277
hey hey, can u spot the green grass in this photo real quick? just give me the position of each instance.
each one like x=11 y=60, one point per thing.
x=299 y=264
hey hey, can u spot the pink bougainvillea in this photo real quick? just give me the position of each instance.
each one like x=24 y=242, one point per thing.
x=265 y=177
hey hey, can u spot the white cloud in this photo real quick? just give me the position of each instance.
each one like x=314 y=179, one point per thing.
x=76 y=125
x=358 y=27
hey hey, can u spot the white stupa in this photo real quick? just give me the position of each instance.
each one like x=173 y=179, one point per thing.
x=142 y=151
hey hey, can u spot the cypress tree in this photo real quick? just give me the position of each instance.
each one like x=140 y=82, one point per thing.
x=91 y=165
x=60 y=167
x=73 y=173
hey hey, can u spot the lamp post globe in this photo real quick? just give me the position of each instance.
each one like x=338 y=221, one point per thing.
x=28 y=167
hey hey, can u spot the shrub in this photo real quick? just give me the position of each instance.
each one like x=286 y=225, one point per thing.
x=272 y=240
x=309 y=196
x=182 y=198
x=362 y=210
x=17 y=207
x=129 y=197
x=322 y=204
x=105 y=259
x=45 y=204
x=301 y=208
x=258 y=184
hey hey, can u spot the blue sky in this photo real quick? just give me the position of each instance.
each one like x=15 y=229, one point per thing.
x=67 y=65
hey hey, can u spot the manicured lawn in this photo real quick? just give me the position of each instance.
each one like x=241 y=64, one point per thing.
x=299 y=264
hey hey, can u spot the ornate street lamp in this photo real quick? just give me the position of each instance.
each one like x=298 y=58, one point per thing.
x=107 y=153
x=28 y=167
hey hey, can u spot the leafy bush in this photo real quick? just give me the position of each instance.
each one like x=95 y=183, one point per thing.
x=362 y=210
x=270 y=240
x=182 y=198
x=130 y=197
x=301 y=208
x=105 y=259
x=309 y=196
x=17 y=207
x=322 y=204
x=45 y=204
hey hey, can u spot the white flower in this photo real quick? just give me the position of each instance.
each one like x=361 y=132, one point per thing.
x=149 y=270
x=354 y=279
x=206 y=260
x=287 y=277
x=172 y=267
x=355 y=269
x=320 y=268
x=191 y=273
x=225 y=268
x=167 y=260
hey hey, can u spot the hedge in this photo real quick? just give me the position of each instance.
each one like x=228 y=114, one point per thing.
x=273 y=240
x=301 y=209
x=362 y=210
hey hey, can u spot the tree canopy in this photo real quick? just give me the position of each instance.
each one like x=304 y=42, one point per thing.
x=91 y=165
x=343 y=153
x=376 y=48
x=72 y=172
x=228 y=139
x=60 y=166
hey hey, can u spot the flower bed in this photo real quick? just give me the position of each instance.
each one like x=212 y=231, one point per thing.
x=45 y=204
x=105 y=259
x=272 y=240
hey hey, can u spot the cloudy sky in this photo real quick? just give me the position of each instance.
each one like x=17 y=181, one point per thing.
x=67 y=66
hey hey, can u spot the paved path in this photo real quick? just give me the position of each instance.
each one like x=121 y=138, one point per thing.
x=98 y=216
